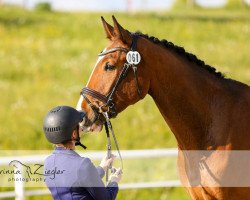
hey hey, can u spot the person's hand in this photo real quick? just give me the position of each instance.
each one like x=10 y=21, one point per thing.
x=106 y=162
x=116 y=176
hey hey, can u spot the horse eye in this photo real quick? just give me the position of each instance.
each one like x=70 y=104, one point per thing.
x=109 y=67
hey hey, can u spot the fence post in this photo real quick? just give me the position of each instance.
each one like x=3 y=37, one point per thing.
x=25 y=3
x=19 y=184
x=190 y=3
x=129 y=6
x=242 y=2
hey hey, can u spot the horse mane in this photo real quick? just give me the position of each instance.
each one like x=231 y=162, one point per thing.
x=181 y=51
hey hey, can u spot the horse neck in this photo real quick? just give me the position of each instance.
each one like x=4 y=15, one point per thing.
x=183 y=93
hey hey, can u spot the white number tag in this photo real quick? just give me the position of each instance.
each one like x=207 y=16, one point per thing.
x=133 y=57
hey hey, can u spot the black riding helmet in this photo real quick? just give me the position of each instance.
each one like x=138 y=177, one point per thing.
x=60 y=122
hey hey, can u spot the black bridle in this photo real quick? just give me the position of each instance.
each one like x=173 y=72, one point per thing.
x=108 y=100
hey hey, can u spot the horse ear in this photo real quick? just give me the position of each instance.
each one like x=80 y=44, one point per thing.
x=120 y=32
x=108 y=29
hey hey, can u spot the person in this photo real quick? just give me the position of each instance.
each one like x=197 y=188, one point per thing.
x=68 y=175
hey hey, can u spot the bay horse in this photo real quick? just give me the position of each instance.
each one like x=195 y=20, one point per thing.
x=204 y=110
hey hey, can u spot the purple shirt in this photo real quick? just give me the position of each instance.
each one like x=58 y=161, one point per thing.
x=72 y=177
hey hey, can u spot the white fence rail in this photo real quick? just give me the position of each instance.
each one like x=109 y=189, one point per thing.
x=19 y=192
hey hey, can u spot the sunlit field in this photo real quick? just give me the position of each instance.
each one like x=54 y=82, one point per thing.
x=47 y=57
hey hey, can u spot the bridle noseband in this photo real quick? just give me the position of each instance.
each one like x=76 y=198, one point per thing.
x=108 y=100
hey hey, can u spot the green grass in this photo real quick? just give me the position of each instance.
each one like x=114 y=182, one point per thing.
x=47 y=57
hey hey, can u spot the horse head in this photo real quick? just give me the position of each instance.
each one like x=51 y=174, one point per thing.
x=117 y=80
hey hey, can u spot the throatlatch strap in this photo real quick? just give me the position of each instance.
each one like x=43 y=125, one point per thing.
x=137 y=81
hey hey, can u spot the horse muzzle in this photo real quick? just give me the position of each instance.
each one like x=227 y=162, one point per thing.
x=92 y=124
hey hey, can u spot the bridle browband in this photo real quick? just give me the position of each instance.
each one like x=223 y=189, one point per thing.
x=108 y=100
x=113 y=50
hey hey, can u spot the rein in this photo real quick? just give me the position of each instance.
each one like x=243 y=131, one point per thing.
x=108 y=126
x=132 y=59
